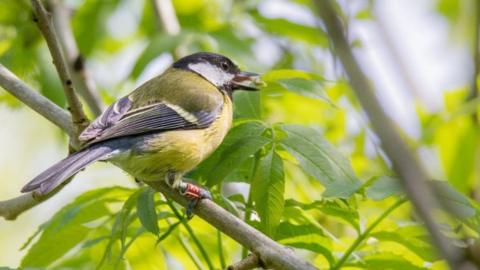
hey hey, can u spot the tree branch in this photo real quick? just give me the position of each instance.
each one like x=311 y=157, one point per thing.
x=12 y=208
x=405 y=163
x=42 y=18
x=250 y=262
x=81 y=77
x=270 y=253
x=35 y=101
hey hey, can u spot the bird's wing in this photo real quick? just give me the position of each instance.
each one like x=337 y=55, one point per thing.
x=120 y=120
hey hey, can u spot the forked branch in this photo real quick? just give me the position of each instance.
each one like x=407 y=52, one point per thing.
x=44 y=22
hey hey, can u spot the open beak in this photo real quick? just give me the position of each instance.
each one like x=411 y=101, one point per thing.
x=247 y=81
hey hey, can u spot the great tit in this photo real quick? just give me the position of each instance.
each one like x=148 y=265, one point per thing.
x=164 y=128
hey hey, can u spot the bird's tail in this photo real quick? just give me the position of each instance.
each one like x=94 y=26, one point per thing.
x=60 y=172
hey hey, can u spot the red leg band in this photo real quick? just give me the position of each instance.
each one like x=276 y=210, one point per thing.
x=192 y=191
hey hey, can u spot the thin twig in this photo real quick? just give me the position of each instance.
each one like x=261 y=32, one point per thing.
x=220 y=250
x=167 y=21
x=366 y=233
x=272 y=254
x=473 y=93
x=12 y=208
x=76 y=63
x=43 y=20
x=166 y=17
x=35 y=101
x=190 y=231
x=250 y=262
x=405 y=163
x=188 y=249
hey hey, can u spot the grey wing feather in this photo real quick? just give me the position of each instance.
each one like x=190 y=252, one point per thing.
x=107 y=119
x=155 y=117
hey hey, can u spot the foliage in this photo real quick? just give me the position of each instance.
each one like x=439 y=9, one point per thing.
x=312 y=184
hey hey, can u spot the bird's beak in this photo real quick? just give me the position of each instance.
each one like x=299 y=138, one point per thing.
x=247 y=81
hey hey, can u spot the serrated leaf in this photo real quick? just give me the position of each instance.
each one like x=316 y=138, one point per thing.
x=147 y=214
x=390 y=261
x=321 y=160
x=305 y=236
x=247 y=104
x=293 y=31
x=240 y=143
x=268 y=187
x=384 y=187
x=307 y=88
x=421 y=248
x=331 y=208
x=66 y=229
x=455 y=202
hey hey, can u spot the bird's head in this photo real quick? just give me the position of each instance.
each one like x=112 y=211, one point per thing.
x=220 y=71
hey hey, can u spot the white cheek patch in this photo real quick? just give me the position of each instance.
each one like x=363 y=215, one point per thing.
x=212 y=73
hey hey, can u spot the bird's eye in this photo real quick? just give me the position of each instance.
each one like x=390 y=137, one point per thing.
x=224 y=66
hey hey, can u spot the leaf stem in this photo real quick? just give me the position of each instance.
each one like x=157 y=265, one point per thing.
x=366 y=233
x=249 y=205
x=186 y=246
x=220 y=250
x=192 y=234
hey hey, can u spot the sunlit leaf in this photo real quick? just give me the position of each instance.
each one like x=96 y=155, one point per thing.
x=247 y=105
x=305 y=237
x=67 y=228
x=456 y=202
x=268 y=187
x=419 y=247
x=240 y=143
x=294 y=31
x=383 y=187
x=146 y=210
x=321 y=160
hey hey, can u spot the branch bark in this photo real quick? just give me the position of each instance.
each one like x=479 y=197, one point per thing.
x=35 y=101
x=405 y=163
x=76 y=63
x=270 y=253
x=43 y=20
x=250 y=262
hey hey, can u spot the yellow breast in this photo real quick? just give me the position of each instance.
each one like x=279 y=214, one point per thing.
x=178 y=151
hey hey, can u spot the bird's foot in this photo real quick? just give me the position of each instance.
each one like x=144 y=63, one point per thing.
x=194 y=194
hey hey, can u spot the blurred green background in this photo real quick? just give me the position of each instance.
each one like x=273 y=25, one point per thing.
x=418 y=55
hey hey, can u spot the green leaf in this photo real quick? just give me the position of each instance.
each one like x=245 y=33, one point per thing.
x=336 y=208
x=293 y=31
x=268 y=187
x=383 y=187
x=307 y=88
x=146 y=210
x=421 y=248
x=240 y=143
x=388 y=261
x=321 y=160
x=280 y=74
x=67 y=228
x=463 y=159
x=247 y=104
x=455 y=202
x=306 y=237
x=299 y=82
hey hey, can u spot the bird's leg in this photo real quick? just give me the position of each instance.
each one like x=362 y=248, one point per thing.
x=192 y=192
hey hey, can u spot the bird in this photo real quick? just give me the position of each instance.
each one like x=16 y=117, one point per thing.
x=164 y=128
